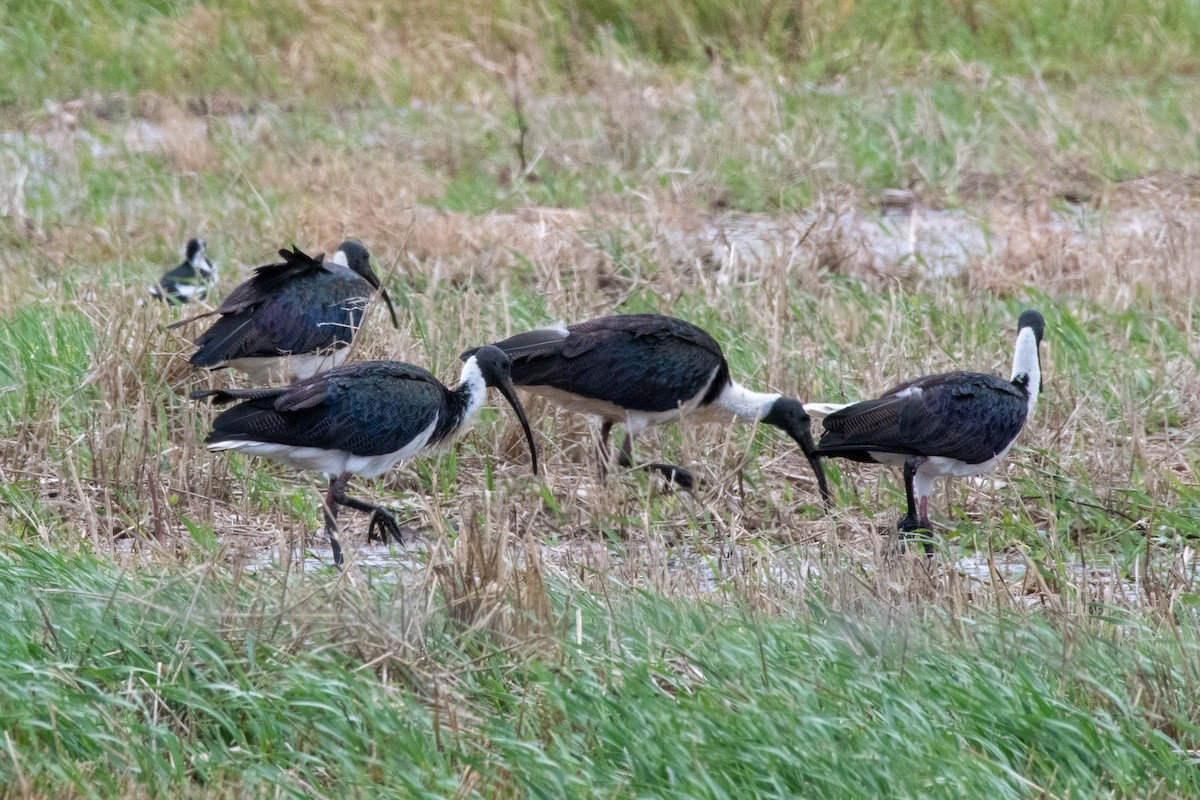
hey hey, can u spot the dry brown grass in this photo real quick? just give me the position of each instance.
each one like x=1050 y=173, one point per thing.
x=135 y=469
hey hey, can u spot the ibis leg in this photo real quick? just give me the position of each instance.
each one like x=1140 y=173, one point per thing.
x=674 y=474
x=625 y=456
x=605 y=432
x=329 y=510
x=381 y=519
x=916 y=520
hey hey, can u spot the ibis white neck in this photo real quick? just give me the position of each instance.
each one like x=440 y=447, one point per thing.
x=471 y=380
x=743 y=403
x=1027 y=363
x=340 y=259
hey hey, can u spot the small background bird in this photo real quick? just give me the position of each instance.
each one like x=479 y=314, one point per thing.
x=189 y=281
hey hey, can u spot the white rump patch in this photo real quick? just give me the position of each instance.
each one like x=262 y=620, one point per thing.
x=823 y=410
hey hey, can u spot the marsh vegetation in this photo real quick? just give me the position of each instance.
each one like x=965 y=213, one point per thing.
x=843 y=193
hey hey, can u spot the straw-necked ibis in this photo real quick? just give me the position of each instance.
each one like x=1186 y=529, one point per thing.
x=360 y=419
x=640 y=370
x=952 y=424
x=292 y=319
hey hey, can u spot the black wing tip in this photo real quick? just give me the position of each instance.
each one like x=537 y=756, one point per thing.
x=218 y=396
x=205 y=360
x=296 y=254
x=465 y=354
x=190 y=320
x=223 y=396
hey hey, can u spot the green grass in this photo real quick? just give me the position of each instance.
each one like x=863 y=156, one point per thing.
x=72 y=47
x=181 y=685
x=43 y=354
x=197 y=685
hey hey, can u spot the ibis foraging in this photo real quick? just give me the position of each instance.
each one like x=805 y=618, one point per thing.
x=293 y=319
x=952 y=424
x=360 y=419
x=641 y=370
x=189 y=281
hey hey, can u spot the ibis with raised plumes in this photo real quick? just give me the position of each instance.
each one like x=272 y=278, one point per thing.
x=293 y=319
x=640 y=370
x=360 y=419
x=955 y=424
x=189 y=281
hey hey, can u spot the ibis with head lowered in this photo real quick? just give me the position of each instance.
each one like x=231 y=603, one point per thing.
x=360 y=419
x=951 y=424
x=640 y=370
x=292 y=319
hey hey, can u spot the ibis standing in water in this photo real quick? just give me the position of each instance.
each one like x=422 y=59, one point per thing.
x=952 y=424
x=640 y=370
x=293 y=319
x=189 y=281
x=360 y=419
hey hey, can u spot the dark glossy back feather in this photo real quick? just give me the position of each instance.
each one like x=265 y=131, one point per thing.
x=268 y=279
x=302 y=305
x=962 y=415
x=640 y=362
x=367 y=409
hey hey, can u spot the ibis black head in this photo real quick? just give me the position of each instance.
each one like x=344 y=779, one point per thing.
x=789 y=416
x=496 y=368
x=359 y=260
x=1032 y=319
x=195 y=251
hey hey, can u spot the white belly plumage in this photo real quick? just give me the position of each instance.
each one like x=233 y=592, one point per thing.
x=284 y=369
x=634 y=421
x=329 y=462
x=937 y=466
x=940 y=466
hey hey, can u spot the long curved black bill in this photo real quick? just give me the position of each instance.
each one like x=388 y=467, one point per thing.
x=391 y=309
x=510 y=394
x=803 y=437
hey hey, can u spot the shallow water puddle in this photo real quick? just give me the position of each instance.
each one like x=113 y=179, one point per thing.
x=389 y=561
x=690 y=570
x=1010 y=573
